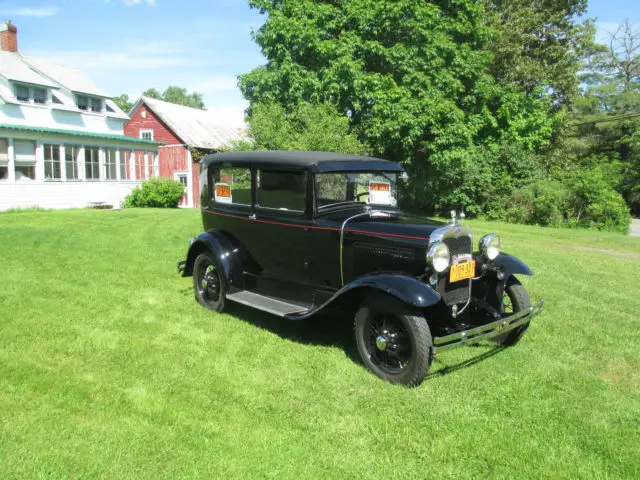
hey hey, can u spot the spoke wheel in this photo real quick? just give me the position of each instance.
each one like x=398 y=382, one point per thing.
x=208 y=284
x=514 y=300
x=394 y=340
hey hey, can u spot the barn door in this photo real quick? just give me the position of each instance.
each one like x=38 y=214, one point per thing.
x=183 y=178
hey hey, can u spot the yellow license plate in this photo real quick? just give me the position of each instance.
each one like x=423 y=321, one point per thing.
x=462 y=271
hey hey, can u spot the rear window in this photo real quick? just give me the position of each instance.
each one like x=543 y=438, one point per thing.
x=231 y=186
x=281 y=190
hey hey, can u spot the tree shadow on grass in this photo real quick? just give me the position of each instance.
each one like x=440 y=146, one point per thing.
x=335 y=329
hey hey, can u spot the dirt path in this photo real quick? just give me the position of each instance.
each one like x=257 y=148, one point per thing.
x=635 y=227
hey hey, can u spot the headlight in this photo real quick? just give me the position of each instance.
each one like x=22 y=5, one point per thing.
x=490 y=246
x=438 y=256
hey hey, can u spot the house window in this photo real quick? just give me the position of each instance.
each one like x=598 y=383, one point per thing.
x=52 y=169
x=23 y=93
x=125 y=162
x=25 y=160
x=71 y=162
x=4 y=159
x=109 y=109
x=39 y=96
x=89 y=104
x=281 y=190
x=139 y=165
x=146 y=134
x=55 y=99
x=92 y=163
x=110 y=164
x=82 y=102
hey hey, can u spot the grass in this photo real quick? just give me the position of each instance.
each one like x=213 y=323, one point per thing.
x=109 y=369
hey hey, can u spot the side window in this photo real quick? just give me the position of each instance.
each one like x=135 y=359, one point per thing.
x=231 y=186
x=281 y=190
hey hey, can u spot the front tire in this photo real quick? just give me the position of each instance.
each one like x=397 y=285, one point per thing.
x=394 y=340
x=514 y=300
x=208 y=283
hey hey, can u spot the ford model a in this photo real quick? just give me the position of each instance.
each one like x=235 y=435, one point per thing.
x=292 y=233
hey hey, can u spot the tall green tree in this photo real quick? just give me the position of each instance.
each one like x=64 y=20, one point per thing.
x=177 y=95
x=123 y=102
x=539 y=44
x=607 y=117
x=412 y=76
x=318 y=127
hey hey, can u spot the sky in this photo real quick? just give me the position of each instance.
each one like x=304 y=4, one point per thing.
x=128 y=46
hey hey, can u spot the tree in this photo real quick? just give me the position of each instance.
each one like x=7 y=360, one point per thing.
x=539 y=44
x=607 y=117
x=123 y=102
x=172 y=94
x=412 y=76
x=318 y=127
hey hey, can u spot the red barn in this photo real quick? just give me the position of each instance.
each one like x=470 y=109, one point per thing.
x=180 y=128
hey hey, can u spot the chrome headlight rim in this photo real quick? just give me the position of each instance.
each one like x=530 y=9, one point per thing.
x=489 y=246
x=439 y=257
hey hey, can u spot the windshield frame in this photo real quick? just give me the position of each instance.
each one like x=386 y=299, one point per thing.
x=353 y=204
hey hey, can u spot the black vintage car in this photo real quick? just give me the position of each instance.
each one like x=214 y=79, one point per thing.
x=292 y=233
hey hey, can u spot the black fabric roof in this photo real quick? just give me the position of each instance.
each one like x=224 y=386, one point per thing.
x=316 y=161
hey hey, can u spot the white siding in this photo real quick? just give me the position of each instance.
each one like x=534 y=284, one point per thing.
x=63 y=194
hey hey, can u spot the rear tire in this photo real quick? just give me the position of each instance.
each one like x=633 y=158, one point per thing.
x=514 y=300
x=209 y=286
x=394 y=340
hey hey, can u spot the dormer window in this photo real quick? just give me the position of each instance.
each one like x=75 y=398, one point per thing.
x=39 y=96
x=27 y=94
x=89 y=104
x=22 y=93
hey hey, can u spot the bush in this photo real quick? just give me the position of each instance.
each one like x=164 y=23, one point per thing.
x=156 y=193
x=582 y=198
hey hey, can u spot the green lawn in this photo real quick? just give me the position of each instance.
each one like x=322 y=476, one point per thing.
x=109 y=369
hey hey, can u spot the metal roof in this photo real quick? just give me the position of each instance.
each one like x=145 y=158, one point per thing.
x=68 y=77
x=14 y=67
x=316 y=161
x=80 y=133
x=195 y=127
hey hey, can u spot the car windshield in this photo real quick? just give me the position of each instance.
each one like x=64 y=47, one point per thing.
x=357 y=188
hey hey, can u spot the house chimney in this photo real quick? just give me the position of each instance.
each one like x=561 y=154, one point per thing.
x=8 y=37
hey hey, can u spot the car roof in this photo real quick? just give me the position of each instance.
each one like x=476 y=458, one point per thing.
x=315 y=161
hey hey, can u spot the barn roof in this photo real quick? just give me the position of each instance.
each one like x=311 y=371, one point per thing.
x=195 y=127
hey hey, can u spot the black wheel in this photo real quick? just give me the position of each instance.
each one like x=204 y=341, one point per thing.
x=394 y=341
x=514 y=300
x=208 y=283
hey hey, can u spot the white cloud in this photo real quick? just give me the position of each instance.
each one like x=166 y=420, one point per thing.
x=127 y=56
x=232 y=115
x=31 y=12
x=132 y=3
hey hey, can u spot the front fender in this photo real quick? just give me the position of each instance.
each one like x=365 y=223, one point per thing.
x=222 y=249
x=511 y=265
x=407 y=289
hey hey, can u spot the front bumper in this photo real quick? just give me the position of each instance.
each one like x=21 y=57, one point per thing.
x=488 y=331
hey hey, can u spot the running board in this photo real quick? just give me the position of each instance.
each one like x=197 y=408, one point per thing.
x=266 y=304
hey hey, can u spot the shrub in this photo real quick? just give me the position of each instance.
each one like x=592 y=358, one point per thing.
x=583 y=198
x=156 y=193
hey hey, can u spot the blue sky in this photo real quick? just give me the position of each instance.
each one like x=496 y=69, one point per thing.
x=127 y=46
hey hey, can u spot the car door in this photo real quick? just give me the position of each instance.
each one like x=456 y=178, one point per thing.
x=279 y=243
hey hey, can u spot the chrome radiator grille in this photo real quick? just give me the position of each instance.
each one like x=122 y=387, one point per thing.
x=457 y=292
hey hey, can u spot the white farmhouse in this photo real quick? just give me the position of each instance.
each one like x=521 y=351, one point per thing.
x=62 y=141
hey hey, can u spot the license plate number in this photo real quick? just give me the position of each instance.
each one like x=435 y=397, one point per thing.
x=462 y=271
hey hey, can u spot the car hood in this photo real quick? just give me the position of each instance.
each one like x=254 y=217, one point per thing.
x=403 y=225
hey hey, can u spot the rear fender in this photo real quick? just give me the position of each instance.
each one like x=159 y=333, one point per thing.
x=407 y=289
x=222 y=249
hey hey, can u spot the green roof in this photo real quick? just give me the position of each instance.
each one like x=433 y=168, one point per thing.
x=79 y=133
